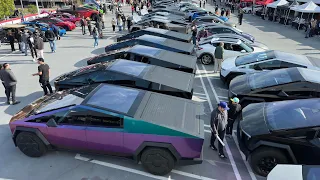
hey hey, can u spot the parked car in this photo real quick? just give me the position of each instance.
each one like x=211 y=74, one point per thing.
x=93 y=7
x=154 y=41
x=74 y=119
x=210 y=19
x=284 y=132
x=165 y=15
x=69 y=26
x=150 y=55
x=157 y=32
x=81 y=12
x=131 y=74
x=297 y=172
x=172 y=11
x=216 y=28
x=276 y=85
x=67 y=17
x=43 y=27
x=161 y=24
x=232 y=47
x=264 y=61
x=257 y=44
x=249 y=8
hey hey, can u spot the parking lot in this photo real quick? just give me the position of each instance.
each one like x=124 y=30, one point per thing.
x=72 y=52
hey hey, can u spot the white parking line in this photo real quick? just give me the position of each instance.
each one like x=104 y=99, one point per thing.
x=233 y=164
x=81 y=158
x=13 y=52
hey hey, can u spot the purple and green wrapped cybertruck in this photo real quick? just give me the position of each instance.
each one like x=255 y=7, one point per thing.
x=159 y=130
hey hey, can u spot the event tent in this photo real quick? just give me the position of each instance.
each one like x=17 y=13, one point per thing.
x=309 y=7
x=277 y=3
x=264 y=2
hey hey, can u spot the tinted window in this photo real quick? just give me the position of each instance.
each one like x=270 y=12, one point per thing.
x=129 y=67
x=270 y=65
x=114 y=98
x=104 y=120
x=254 y=57
x=268 y=79
x=57 y=116
x=75 y=116
x=293 y=114
x=289 y=65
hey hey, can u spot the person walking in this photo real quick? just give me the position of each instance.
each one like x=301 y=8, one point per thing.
x=218 y=56
x=132 y=9
x=17 y=36
x=194 y=34
x=240 y=16
x=32 y=46
x=10 y=82
x=49 y=34
x=308 y=29
x=233 y=113
x=218 y=125
x=102 y=20
x=56 y=30
x=113 y=23
x=200 y=3
x=83 y=25
x=120 y=24
x=24 y=39
x=95 y=37
x=128 y=23
x=11 y=40
x=38 y=45
x=89 y=26
x=204 y=4
x=44 y=73
x=123 y=18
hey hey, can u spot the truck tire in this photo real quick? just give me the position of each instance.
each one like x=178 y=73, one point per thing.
x=264 y=159
x=30 y=144
x=157 y=161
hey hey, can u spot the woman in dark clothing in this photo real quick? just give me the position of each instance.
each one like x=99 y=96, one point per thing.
x=11 y=40
x=89 y=27
x=32 y=47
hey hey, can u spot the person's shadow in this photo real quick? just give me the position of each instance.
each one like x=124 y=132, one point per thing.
x=25 y=100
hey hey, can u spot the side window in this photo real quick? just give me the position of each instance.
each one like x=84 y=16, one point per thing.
x=44 y=119
x=269 y=65
x=225 y=30
x=237 y=47
x=99 y=76
x=214 y=44
x=289 y=65
x=228 y=46
x=65 y=16
x=105 y=120
x=79 y=79
x=75 y=117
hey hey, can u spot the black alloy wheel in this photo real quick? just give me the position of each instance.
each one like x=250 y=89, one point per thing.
x=30 y=144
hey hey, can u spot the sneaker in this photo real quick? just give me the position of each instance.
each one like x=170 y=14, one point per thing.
x=8 y=102
x=222 y=156
x=15 y=102
x=213 y=148
x=34 y=60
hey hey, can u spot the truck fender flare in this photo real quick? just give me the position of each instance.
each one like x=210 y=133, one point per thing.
x=37 y=132
x=167 y=146
x=279 y=146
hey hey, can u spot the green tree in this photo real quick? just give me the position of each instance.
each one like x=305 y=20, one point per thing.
x=6 y=8
x=32 y=9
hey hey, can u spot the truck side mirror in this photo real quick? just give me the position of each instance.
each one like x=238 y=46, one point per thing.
x=283 y=94
x=52 y=123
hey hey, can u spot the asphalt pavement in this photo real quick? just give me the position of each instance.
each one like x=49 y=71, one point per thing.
x=72 y=52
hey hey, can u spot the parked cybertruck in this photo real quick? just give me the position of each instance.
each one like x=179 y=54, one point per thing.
x=158 y=130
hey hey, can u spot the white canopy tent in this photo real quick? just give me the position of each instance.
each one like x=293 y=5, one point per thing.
x=278 y=3
x=309 y=7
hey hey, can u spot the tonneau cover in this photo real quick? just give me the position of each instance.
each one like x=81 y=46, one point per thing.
x=172 y=78
x=185 y=60
x=183 y=36
x=175 y=113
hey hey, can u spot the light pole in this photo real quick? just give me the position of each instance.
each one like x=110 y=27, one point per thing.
x=38 y=7
x=21 y=4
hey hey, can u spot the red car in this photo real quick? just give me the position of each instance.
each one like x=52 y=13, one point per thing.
x=67 y=17
x=81 y=11
x=67 y=25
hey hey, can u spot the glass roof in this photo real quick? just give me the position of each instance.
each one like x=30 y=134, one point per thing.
x=145 y=50
x=154 y=39
x=129 y=67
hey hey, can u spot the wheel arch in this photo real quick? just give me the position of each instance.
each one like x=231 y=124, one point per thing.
x=144 y=145
x=37 y=132
x=284 y=147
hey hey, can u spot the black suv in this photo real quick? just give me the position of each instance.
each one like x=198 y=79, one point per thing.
x=283 y=132
x=276 y=85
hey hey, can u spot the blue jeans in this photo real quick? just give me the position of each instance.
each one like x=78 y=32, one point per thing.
x=194 y=40
x=95 y=42
x=120 y=28
x=52 y=45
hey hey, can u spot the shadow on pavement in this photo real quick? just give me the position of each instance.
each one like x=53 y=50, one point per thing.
x=286 y=31
x=72 y=47
x=18 y=62
x=13 y=109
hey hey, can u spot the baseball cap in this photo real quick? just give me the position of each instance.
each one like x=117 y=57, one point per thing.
x=235 y=99
x=224 y=105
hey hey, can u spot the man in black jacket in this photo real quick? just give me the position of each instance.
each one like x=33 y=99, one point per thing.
x=235 y=109
x=49 y=34
x=218 y=125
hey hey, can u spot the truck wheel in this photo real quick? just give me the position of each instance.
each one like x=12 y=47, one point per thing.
x=30 y=144
x=157 y=161
x=206 y=59
x=264 y=159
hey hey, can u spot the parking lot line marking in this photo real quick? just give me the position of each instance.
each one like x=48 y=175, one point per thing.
x=205 y=125
x=233 y=163
x=253 y=177
x=191 y=175
x=79 y=157
x=199 y=94
x=207 y=131
x=205 y=90
x=8 y=54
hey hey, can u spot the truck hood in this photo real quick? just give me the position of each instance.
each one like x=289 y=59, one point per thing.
x=239 y=85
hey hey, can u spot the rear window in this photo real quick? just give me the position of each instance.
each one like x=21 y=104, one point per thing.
x=254 y=57
x=293 y=114
x=130 y=67
x=154 y=39
x=116 y=98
